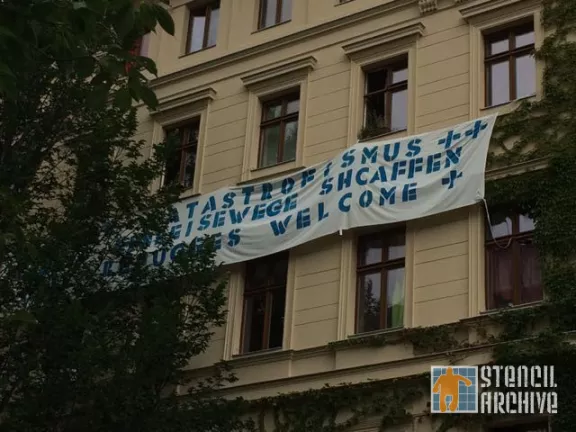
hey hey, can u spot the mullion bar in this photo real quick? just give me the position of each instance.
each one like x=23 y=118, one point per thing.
x=267 y=321
x=278 y=12
x=208 y=13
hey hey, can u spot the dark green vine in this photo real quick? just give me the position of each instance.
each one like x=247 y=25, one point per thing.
x=543 y=131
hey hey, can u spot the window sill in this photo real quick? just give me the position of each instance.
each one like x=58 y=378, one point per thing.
x=514 y=307
x=263 y=355
x=272 y=26
x=341 y=2
x=376 y=333
x=384 y=135
x=508 y=106
x=271 y=172
x=196 y=52
x=189 y=193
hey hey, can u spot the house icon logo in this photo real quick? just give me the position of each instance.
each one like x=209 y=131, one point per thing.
x=454 y=390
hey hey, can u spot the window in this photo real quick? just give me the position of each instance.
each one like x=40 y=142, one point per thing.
x=531 y=427
x=386 y=98
x=264 y=303
x=181 y=164
x=510 y=65
x=279 y=131
x=512 y=265
x=380 y=285
x=274 y=12
x=203 y=27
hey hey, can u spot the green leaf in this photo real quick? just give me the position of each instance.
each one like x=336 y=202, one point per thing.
x=23 y=317
x=149 y=65
x=148 y=97
x=4 y=31
x=147 y=17
x=79 y=5
x=164 y=19
x=123 y=99
x=5 y=70
x=126 y=23
x=85 y=67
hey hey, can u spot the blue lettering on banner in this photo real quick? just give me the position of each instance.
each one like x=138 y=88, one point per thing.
x=375 y=183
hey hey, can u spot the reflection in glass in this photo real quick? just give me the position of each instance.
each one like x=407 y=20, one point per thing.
x=369 y=302
x=395 y=298
x=270 y=145
x=500 y=83
x=525 y=76
x=290 y=137
x=498 y=47
x=254 y=308
x=213 y=30
x=196 y=39
x=399 y=110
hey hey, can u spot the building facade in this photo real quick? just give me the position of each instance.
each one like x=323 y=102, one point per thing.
x=262 y=88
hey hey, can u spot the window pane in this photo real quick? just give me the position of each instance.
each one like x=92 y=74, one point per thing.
x=196 y=37
x=270 y=144
x=277 y=318
x=267 y=272
x=399 y=75
x=499 y=266
x=268 y=17
x=500 y=228
x=525 y=76
x=526 y=224
x=375 y=81
x=191 y=134
x=371 y=251
x=498 y=46
x=499 y=90
x=293 y=106
x=254 y=308
x=286 y=10
x=531 y=279
x=375 y=110
x=395 y=246
x=189 y=166
x=525 y=39
x=272 y=110
x=213 y=30
x=290 y=138
x=173 y=167
x=399 y=110
x=369 y=302
x=395 y=298
x=278 y=270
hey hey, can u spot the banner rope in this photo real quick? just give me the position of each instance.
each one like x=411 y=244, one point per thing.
x=492 y=230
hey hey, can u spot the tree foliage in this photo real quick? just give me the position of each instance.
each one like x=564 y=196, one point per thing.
x=81 y=350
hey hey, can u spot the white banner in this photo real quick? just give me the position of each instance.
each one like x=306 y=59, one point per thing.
x=374 y=183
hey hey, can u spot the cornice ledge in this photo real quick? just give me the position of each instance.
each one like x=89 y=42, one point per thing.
x=187 y=97
x=281 y=42
x=516 y=169
x=427 y=6
x=478 y=9
x=382 y=38
x=302 y=65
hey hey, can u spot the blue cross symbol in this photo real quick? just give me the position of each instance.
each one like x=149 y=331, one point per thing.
x=447 y=142
x=478 y=126
x=451 y=178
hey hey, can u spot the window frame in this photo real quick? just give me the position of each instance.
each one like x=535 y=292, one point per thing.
x=389 y=89
x=515 y=237
x=383 y=266
x=207 y=9
x=511 y=55
x=281 y=120
x=269 y=292
x=185 y=144
x=277 y=18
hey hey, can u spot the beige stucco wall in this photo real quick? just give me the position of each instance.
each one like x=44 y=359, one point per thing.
x=322 y=50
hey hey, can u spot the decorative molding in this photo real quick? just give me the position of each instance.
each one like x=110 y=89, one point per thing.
x=291 y=39
x=303 y=65
x=517 y=169
x=187 y=97
x=427 y=6
x=388 y=36
x=478 y=9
